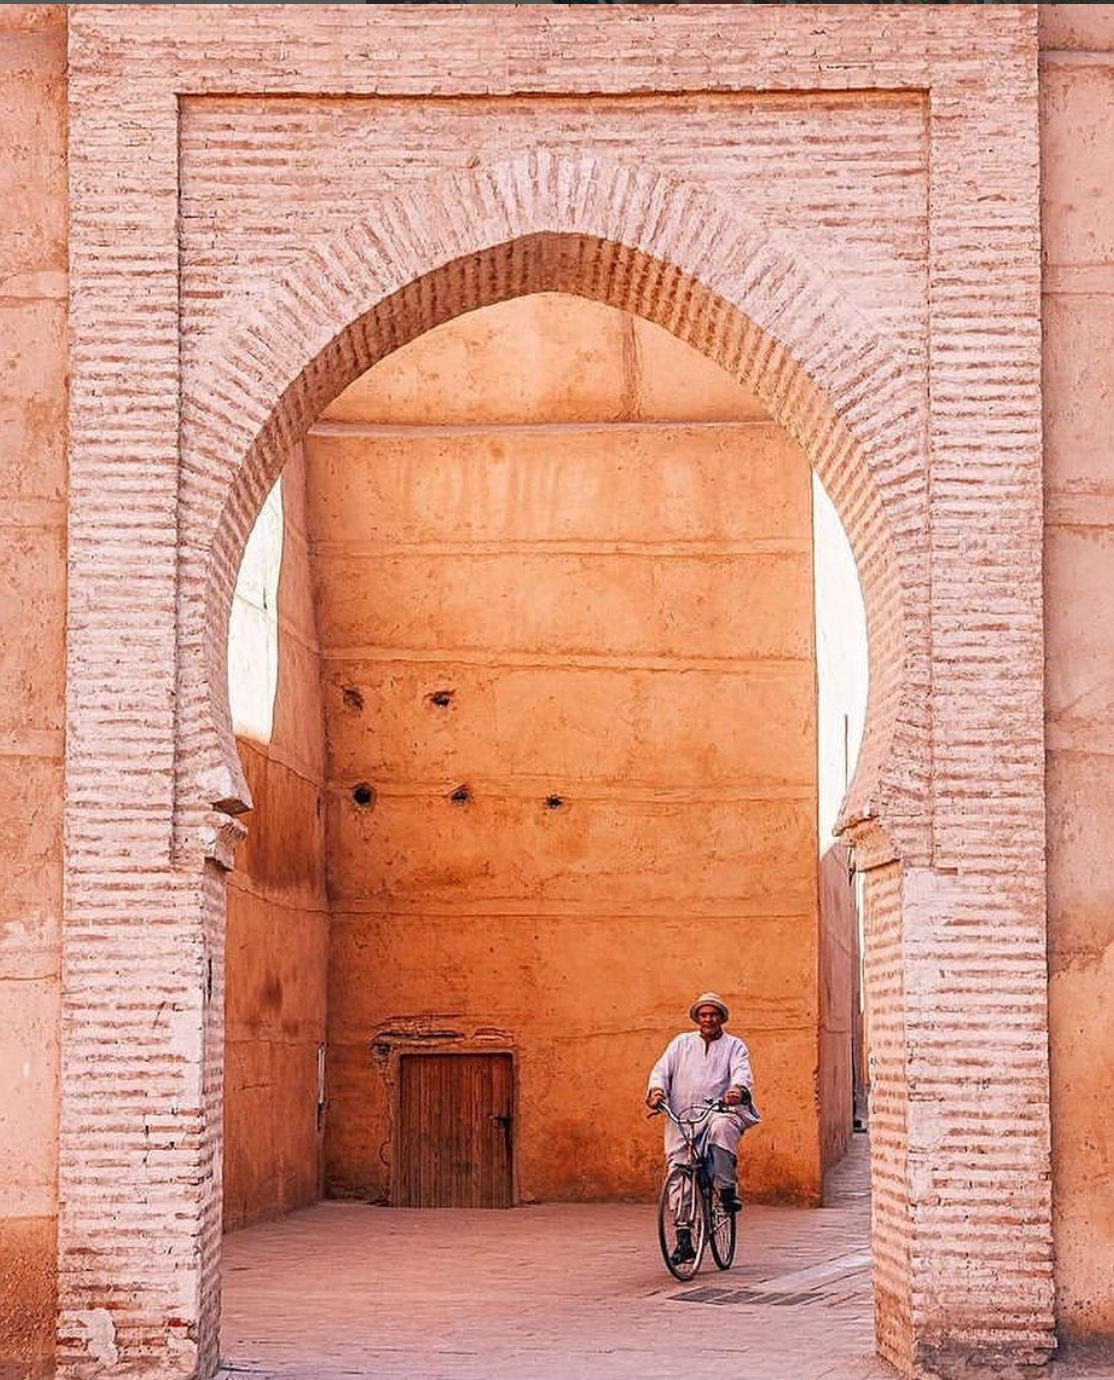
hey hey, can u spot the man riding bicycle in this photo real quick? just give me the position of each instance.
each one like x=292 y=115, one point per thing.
x=698 y=1066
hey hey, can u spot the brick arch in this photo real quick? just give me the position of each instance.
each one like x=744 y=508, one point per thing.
x=640 y=242
x=174 y=435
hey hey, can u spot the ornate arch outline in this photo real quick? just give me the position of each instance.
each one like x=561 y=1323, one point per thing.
x=638 y=240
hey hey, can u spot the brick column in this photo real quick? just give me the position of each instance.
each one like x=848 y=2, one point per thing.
x=136 y=1139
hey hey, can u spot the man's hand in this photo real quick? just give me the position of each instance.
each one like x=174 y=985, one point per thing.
x=654 y=1099
x=733 y=1096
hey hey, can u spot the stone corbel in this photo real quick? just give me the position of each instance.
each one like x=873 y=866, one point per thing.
x=221 y=835
x=869 y=844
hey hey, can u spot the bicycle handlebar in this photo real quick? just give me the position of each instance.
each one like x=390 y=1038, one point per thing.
x=710 y=1106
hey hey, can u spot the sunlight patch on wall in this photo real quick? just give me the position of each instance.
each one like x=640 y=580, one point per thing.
x=841 y=660
x=253 y=625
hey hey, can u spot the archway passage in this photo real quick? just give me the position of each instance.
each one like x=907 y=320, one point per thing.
x=664 y=252
x=660 y=292
x=833 y=384
x=561 y=574
x=560 y=557
x=781 y=341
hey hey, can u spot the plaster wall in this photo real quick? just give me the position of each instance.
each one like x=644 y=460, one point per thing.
x=839 y=956
x=276 y=956
x=1077 y=127
x=596 y=547
x=32 y=625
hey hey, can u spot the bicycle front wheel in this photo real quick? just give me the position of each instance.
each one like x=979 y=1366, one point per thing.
x=682 y=1223
x=722 y=1230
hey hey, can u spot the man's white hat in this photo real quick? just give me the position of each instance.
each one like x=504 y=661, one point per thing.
x=708 y=999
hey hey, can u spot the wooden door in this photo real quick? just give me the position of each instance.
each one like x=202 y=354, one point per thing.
x=453 y=1142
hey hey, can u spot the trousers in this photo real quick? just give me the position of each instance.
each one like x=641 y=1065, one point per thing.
x=722 y=1137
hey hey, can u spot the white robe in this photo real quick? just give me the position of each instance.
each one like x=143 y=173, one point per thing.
x=692 y=1070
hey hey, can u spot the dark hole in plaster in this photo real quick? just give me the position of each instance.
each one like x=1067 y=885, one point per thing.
x=209 y=980
x=554 y=802
x=363 y=794
x=353 y=699
x=462 y=795
x=441 y=698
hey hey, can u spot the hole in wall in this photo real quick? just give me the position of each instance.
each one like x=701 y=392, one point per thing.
x=461 y=796
x=353 y=698
x=441 y=698
x=363 y=794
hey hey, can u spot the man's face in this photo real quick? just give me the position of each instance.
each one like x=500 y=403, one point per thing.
x=710 y=1021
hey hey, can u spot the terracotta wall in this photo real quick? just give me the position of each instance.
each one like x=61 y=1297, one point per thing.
x=278 y=923
x=32 y=629
x=1077 y=110
x=564 y=562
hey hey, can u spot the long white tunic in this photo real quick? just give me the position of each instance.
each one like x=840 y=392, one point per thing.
x=692 y=1070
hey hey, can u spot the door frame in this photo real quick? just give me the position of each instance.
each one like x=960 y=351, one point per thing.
x=399 y=1047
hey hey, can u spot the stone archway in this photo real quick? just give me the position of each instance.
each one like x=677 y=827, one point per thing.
x=955 y=856
x=369 y=291
x=753 y=324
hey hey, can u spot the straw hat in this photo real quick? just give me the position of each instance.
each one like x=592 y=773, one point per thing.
x=708 y=999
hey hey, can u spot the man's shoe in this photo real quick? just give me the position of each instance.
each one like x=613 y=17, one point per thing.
x=682 y=1251
x=730 y=1200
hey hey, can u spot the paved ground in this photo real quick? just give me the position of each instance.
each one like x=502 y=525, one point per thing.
x=568 y=1292
x=556 y=1292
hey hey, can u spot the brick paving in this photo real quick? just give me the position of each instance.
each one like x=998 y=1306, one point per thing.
x=569 y=1291
x=557 y=1292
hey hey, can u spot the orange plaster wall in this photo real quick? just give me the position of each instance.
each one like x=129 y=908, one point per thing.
x=278 y=923
x=32 y=663
x=1077 y=113
x=599 y=546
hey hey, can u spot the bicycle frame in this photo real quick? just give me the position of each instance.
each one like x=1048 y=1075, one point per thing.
x=688 y=1202
x=694 y=1129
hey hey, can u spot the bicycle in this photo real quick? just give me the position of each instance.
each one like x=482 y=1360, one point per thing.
x=689 y=1201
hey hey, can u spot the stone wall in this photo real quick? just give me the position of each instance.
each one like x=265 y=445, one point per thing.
x=839 y=994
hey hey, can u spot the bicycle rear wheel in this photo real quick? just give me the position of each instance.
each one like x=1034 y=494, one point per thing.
x=722 y=1230
x=681 y=1211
